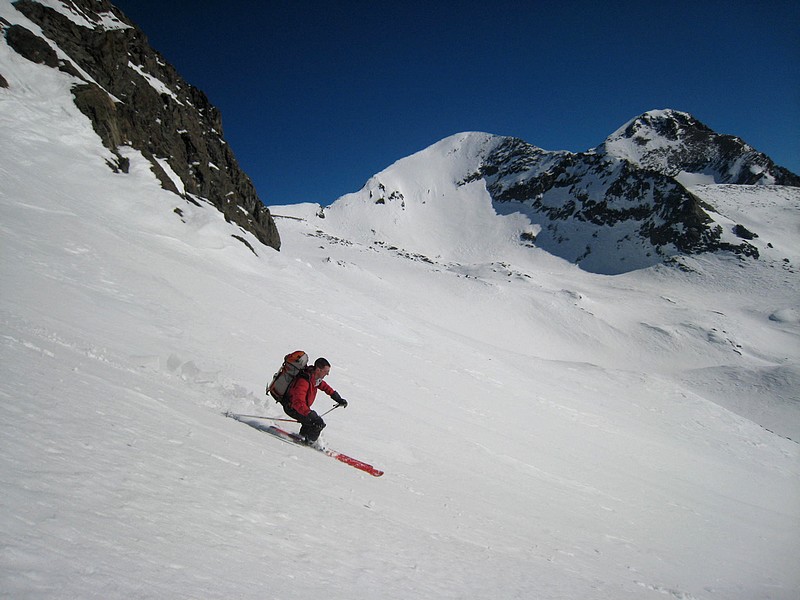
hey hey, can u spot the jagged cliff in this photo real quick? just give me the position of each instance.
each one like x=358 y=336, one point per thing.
x=134 y=97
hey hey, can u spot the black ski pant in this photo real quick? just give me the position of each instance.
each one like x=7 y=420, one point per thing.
x=311 y=425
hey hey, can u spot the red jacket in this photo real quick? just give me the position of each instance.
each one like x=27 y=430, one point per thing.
x=303 y=391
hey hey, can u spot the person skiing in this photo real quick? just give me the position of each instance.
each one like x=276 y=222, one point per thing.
x=301 y=394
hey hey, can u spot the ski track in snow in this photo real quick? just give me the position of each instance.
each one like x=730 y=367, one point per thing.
x=545 y=432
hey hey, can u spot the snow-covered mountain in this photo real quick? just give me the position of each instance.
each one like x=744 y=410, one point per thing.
x=546 y=432
x=630 y=203
x=633 y=202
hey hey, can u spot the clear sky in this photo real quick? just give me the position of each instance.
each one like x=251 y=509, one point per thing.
x=317 y=96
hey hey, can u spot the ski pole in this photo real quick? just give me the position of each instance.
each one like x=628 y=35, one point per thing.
x=334 y=408
x=267 y=418
x=276 y=418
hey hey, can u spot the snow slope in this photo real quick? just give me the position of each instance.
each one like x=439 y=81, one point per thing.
x=417 y=205
x=546 y=433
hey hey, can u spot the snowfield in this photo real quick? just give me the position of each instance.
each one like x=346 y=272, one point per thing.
x=546 y=433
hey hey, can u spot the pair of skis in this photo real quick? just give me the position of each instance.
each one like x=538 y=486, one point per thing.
x=296 y=439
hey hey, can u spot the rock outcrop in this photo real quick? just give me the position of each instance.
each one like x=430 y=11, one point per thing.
x=134 y=97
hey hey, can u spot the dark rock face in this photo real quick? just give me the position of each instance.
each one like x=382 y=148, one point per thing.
x=31 y=46
x=597 y=203
x=134 y=97
x=673 y=142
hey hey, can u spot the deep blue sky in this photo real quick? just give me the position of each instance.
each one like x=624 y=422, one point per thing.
x=317 y=96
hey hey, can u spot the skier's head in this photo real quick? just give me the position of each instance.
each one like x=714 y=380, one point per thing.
x=321 y=367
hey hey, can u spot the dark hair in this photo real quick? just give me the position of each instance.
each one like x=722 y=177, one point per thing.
x=321 y=363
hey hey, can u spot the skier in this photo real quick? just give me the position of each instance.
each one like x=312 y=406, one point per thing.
x=301 y=394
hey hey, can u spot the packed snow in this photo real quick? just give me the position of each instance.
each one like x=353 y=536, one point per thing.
x=546 y=432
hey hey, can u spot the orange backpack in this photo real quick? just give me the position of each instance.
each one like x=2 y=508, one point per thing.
x=292 y=365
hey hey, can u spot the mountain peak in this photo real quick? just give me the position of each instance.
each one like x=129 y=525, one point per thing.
x=678 y=145
x=654 y=129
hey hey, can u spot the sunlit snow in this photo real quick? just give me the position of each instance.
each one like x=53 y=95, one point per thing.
x=545 y=432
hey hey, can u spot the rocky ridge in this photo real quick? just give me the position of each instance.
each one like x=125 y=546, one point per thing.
x=674 y=143
x=135 y=98
x=631 y=195
x=587 y=201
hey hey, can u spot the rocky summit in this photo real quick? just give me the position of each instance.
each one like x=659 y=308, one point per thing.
x=676 y=144
x=135 y=98
x=635 y=195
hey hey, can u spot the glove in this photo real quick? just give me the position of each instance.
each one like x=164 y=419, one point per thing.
x=339 y=400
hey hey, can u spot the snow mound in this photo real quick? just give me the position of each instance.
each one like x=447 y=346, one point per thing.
x=786 y=315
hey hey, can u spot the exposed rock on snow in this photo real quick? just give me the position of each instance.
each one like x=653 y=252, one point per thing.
x=135 y=98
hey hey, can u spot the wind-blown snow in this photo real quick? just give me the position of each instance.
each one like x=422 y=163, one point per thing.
x=545 y=432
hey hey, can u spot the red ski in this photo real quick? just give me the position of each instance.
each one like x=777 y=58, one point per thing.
x=294 y=438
